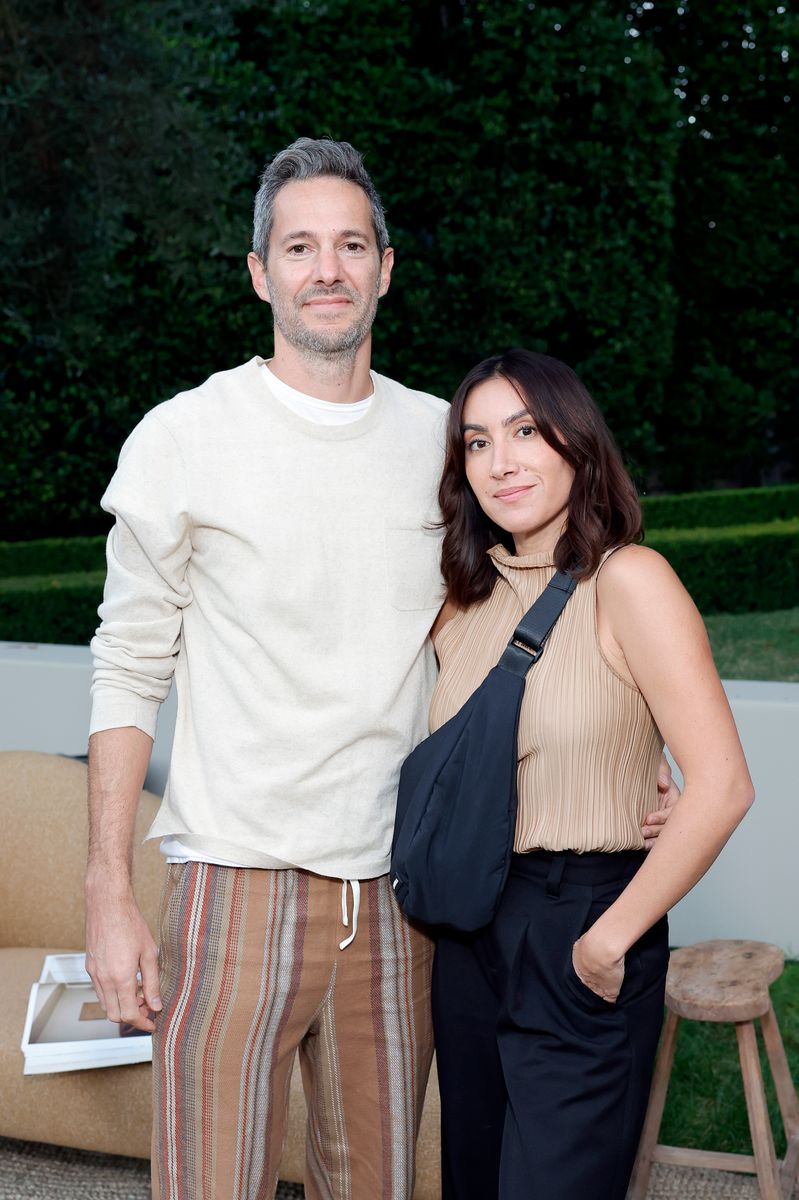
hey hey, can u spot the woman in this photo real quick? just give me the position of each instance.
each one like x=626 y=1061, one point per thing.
x=546 y=1023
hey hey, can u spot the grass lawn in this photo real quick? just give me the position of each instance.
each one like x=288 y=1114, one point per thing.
x=705 y=1106
x=756 y=645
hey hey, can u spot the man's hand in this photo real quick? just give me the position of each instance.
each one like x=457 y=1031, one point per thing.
x=668 y=794
x=121 y=955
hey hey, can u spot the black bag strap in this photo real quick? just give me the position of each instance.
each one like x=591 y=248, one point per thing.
x=529 y=637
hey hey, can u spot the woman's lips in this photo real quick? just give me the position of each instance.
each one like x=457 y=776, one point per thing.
x=513 y=493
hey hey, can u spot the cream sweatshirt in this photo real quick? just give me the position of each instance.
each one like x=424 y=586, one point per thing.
x=287 y=574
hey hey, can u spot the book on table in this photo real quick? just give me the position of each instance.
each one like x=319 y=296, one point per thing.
x=66 y=1028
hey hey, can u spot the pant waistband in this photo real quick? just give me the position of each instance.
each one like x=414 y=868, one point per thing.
x=594 y=867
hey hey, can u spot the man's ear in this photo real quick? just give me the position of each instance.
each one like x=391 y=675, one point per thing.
x=258 y=277
x=386 y=267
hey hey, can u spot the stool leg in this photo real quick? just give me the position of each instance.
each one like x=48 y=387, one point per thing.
x=639 y=1181
x=762 y=1139
x=786 y=1095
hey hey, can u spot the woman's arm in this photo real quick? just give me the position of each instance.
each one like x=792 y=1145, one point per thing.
x=651 y=623
x=447 y=611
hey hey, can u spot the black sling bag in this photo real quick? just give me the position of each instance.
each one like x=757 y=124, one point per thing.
x=456 y=807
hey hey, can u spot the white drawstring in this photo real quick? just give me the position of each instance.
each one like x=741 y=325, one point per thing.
x=356 y=906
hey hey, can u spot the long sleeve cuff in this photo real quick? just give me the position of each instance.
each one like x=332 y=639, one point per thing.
x=113 y=708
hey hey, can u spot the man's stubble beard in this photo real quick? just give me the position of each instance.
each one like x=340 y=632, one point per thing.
x=337 y=345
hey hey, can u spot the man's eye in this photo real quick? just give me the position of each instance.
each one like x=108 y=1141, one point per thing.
x=297 y=250
x=354 y=247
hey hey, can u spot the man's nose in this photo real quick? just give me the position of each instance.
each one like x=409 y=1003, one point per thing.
x=328 y=268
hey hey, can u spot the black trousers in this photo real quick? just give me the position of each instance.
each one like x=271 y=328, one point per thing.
x=544 y=1085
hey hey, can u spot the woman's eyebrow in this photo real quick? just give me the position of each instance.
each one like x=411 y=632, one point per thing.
x=516 y=416
x=508 y=421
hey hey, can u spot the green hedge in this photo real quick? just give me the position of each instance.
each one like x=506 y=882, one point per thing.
x=57 y=608
x=52 y=556
x=728 y=506
x=750 y=568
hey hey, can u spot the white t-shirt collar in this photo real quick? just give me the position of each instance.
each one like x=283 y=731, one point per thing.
x=321 y=412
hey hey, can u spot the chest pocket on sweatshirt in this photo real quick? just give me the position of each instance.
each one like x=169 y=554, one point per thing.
x=413 y=565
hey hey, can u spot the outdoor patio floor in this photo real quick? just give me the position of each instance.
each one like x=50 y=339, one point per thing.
x=30 y=1171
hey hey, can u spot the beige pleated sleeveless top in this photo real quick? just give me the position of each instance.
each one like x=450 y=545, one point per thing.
x=589 y=748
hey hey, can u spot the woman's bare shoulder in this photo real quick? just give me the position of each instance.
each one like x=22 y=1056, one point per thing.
x=635 y=566
x=637 y=582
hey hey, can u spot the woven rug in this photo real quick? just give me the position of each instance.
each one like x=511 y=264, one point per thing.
x=30 y=1171
x=686 y=1183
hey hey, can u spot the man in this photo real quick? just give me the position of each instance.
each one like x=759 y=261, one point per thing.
x=274 y=548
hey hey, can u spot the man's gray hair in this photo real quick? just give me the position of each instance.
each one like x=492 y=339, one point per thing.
x=312 y=158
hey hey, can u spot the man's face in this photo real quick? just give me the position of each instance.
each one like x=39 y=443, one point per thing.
x=323 y=275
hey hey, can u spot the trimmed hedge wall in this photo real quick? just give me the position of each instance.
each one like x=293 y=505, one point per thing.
x=751 y=568
x=52 y=556
x=731 y=506
x=51 y=609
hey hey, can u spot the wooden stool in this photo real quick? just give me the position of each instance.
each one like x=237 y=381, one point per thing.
x=726 y=981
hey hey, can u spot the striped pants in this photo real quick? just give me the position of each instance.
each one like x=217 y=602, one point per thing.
x=251 y=971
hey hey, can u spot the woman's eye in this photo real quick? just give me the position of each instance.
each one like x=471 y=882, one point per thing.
x=476 y=444
x=526 y=430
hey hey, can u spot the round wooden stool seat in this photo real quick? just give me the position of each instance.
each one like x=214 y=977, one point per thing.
x=722 y=980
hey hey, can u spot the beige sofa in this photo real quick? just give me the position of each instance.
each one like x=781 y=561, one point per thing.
x=44 y=832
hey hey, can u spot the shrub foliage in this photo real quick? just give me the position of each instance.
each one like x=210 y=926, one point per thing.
x=728 y=506
x=605 y=181
x=749 y=568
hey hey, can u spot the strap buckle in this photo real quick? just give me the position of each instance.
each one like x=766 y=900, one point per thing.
x=535 y=653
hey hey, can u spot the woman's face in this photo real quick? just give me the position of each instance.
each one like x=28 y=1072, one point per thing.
x=521 y=483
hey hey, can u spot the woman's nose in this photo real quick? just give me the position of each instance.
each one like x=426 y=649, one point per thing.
x=502 y=463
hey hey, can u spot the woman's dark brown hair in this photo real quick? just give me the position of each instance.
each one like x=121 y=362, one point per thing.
x=603 y=511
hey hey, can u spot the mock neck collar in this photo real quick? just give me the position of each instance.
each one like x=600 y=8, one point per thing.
x=506 y=563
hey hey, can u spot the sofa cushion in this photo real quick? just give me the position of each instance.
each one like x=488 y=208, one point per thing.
x=45 y=832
